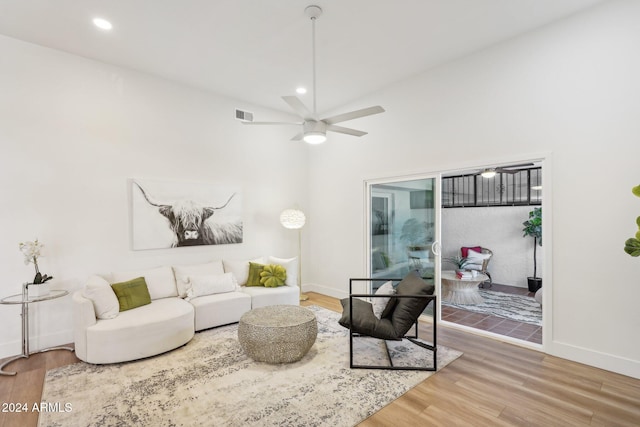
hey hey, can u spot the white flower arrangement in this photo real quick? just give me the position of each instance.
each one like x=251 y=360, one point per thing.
x=32 y=251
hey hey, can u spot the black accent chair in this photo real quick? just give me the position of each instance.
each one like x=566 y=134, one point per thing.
x=412 y=296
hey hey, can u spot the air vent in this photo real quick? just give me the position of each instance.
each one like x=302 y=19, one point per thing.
x=245 y=116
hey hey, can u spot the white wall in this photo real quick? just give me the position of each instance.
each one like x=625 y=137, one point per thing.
x=498 y=229
x=570 y=90
x=73 y=131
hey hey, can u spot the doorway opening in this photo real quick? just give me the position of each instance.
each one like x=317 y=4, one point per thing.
x=484 y=217
x=424 y=222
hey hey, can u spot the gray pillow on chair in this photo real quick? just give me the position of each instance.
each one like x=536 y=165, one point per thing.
x=364 y=321
x=407 y=310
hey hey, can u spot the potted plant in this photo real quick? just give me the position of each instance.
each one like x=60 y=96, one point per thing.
x=458 y=261
x=533 y=228
x=632 y=245
x=32 y=251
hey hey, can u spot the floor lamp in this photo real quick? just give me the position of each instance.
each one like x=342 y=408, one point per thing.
x=294 y=219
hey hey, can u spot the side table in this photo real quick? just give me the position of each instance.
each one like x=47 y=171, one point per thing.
x=461 y=291
x=24 y=299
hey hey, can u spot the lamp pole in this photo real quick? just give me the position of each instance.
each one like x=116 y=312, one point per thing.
x=295 y=219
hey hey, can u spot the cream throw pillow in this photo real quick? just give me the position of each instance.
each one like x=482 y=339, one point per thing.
x=476 y=260
x=105 y=302
x=240 y=269
x=208 y=285
x=289 y=264
x=183 y=272
x=379 y=304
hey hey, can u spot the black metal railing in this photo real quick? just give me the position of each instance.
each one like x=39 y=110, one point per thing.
x=504 y=189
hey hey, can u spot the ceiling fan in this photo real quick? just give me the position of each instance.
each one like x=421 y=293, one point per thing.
x=314 y=129
x=491 y=172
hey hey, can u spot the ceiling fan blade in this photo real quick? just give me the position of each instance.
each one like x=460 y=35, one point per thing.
x=298 y=137
x=340 y=129
x=271 y=123
x=509 y=169
x=521 y=165
x=353 y=115
x=297 y=106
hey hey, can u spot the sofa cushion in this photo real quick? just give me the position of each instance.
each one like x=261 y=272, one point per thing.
x=220 y=309
x=291 y=265
x=160 y=281
x=262 y=297
x=132 y=294
x=240 y=269
x=211 y=284
x=105 y=302
x=183 y=272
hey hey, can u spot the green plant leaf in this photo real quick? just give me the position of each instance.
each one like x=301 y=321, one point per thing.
x=632 y=247
x=636 y=190
x=638 y=222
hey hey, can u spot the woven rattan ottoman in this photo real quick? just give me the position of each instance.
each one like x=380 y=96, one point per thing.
x=277 y=333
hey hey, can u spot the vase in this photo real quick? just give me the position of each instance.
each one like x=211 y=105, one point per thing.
x=39 y=290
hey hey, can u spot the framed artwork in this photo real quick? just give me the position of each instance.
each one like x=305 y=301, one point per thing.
x=166 y=214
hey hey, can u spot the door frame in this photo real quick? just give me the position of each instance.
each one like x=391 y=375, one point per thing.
x=545 y=159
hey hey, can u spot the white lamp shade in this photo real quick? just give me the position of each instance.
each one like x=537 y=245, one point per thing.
x=292 y=218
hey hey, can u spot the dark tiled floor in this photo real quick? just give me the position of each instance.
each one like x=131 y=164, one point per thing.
x=497 y=325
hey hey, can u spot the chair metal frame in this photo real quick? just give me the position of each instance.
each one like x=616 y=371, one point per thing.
x=411 y=338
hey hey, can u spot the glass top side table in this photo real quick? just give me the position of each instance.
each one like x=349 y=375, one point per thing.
x=24 y=300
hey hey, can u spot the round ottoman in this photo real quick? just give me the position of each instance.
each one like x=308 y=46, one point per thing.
x=277 y=333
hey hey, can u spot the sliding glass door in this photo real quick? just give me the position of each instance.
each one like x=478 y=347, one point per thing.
x=402 y=229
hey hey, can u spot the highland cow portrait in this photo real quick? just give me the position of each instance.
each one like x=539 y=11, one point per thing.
x=169 y=214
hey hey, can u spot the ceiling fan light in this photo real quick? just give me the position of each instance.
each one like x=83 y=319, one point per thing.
x=102 y=23
x=488 y=173
x=313 y=137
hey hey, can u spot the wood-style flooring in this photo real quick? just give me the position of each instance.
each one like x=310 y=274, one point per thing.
x=491 y=384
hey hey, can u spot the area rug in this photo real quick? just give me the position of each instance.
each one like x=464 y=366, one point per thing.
x=521 y=308
x=211 y=382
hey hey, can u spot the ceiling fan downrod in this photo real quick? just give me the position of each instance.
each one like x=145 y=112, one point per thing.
x=313 y=12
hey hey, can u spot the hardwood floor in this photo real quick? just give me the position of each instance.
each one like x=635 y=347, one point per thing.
x=491 y=384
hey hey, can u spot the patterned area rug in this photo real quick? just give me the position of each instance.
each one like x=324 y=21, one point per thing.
x=515 y=307
x=210 y=382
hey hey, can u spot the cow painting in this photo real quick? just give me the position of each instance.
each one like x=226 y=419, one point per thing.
x=191 y=223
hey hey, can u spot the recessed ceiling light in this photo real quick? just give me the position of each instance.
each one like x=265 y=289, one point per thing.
x=301 y=90
x=103 y=24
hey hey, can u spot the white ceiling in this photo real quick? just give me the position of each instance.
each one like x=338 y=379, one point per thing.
x=259 y=50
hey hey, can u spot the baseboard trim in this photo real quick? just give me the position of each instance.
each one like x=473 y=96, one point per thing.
x=36 y=343
x=606 y=361
x=331 y=292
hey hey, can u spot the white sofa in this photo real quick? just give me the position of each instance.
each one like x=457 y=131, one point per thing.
x=102 y=334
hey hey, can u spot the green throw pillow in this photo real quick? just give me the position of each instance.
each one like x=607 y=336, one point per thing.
x=254 y=274
x=273 y=275
x=131 y=294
